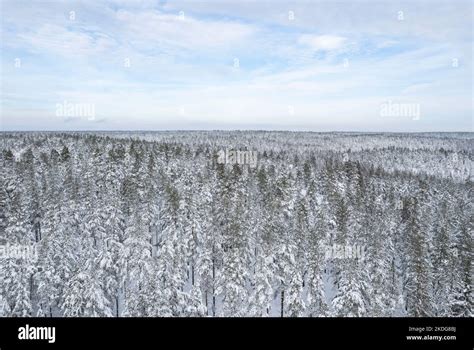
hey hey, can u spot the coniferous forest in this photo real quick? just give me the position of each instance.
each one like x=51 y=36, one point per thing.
x=156 y=224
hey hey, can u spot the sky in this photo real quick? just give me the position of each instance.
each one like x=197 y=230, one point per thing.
x=371 y=65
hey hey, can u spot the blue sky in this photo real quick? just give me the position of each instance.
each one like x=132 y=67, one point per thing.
x=299 y=65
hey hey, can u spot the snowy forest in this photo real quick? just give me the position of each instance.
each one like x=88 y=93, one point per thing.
x=122 y=224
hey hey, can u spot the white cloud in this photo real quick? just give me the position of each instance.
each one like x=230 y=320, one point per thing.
x=322 y=42
x=59 y=40
x=188 y=32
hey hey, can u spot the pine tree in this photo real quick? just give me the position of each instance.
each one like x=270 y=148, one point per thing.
x=317 y=306
x=418 y=294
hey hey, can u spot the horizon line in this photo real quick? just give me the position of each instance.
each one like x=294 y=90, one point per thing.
x=243 y=130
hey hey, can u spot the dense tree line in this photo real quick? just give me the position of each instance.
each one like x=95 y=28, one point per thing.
x=153 y=225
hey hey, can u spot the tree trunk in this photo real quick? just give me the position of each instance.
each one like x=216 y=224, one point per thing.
x=282 y=303
x=117 y=306
x=207 y=306
x=213 y=288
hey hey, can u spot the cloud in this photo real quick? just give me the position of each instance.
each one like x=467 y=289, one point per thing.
x=59 y=40
x=154 y=27
x=322 y=42
x=420 y=88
